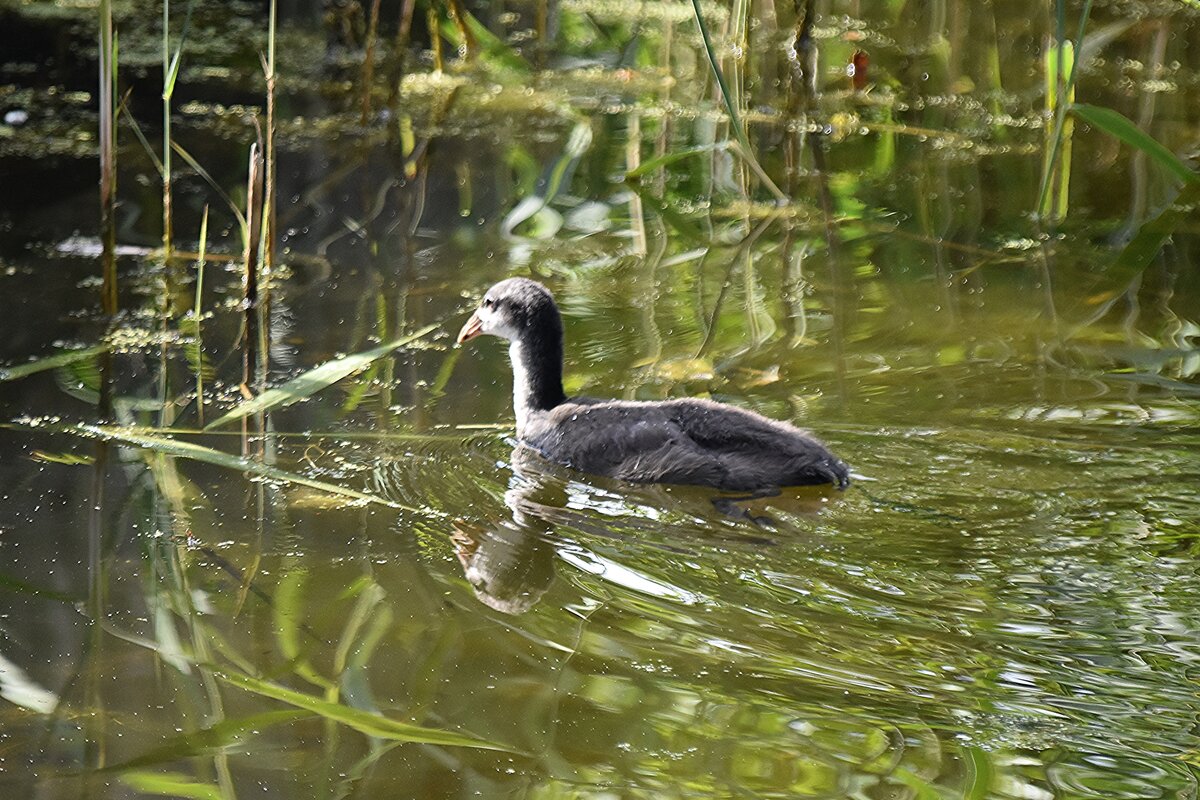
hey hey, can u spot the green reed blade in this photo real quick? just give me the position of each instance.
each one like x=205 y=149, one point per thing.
x=304 y=386
x=1118 y=125
x=1060 y=60
x=203 y=173
x=60 y=359
x=175 y=447
x=653 y=164
x=1154 y=232
x=496 y=52
x=171 y=784
x=10 y=584
x=172 y=68
x=206 y=741
x=195 y=352
x=141 y=137
x=376 y=725
x=288 y=613
x=735 y=120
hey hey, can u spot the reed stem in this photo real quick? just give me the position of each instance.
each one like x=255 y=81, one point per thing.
x=108 y=157
x=368 y=72
x=735 y=119
x=1067 y=90
x=435 y=37
x=254 y=217
x=250 y=256
x=201 y=248
x=270 y=207
x=166 y=111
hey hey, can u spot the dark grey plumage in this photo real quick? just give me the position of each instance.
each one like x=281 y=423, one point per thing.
x=689 y=441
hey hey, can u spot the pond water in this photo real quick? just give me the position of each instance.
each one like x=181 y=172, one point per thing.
x=1003 y=604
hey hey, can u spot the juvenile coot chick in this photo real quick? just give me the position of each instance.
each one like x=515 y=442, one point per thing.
x=689 y=441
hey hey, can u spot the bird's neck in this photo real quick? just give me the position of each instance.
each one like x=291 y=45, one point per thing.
x=537 y=376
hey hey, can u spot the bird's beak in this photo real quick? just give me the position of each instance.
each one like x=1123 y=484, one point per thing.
x=473 y=328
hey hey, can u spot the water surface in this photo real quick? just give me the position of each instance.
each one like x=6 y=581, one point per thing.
x=1002 y=605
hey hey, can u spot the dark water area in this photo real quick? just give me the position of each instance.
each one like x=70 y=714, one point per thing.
x=374 y=591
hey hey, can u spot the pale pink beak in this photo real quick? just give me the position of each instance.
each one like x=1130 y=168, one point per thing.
x=473 y=328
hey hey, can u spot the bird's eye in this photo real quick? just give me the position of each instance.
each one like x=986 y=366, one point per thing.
x=488 y=302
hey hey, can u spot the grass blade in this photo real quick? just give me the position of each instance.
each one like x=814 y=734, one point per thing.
x=141 y=137
x=1154 y=232
x=497 y=53
x=171 y=784
x=60 y=359
x=174 y=447
x=203 y=173
x=670 y=158
x=10 y=584
x=209 y=740
x=288 y=614
x=1118 y=125
x=196 y=352
x=304 y=386
x=735 y=119
x=375 y=725
x=172 y=71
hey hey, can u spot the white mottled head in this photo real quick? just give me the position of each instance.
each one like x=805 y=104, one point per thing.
x=515 y=309
x=523 y=312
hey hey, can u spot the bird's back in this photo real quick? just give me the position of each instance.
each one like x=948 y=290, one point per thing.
x=688 y=441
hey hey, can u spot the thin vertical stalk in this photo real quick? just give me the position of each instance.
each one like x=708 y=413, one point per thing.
x=170 y=66
x=435 y=37
x=400 y=52
x=735 y=120
x=270 y=207
x=96 y=724
x=664 y=125
x=803 y=53
x=1060 y=117
x=166 y=409
x=1138 y=174
x=168 y=89
x=254 y=216
x=108 y=156
x=633 y=159
x=542 y=25
x=202 y=248
x=1060 y=59
x=368 y=70
x=404 y=33
x=458 y=15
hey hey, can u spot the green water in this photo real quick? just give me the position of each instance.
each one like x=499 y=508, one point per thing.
x=1002 y=605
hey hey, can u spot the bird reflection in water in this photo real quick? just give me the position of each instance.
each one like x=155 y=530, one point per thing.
x=510 y=565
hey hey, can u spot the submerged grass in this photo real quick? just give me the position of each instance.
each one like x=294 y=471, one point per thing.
x=375 y=725
x=171 y=446
x=209 y=740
